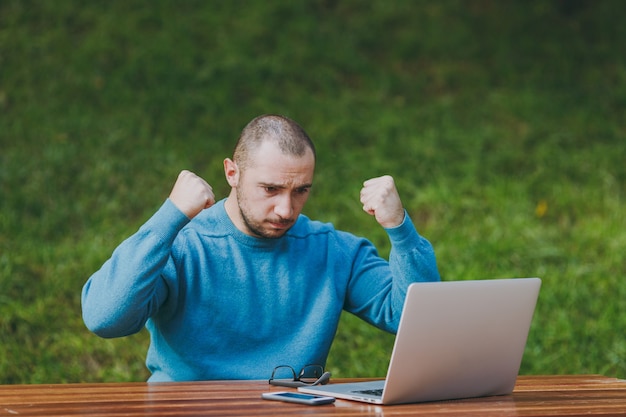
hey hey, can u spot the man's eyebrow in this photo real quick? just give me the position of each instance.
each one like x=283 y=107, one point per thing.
x=281 y=186
x=271 y=185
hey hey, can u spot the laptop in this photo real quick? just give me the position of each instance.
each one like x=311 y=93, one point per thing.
x=456 y=339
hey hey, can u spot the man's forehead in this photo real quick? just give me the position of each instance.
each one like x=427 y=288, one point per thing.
x=283 y=172
x=274 y=175
x=269 y=154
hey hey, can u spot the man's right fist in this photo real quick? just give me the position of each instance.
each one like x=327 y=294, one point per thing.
x=191 y=194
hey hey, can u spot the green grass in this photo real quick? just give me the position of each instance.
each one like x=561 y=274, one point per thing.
x=502 y=123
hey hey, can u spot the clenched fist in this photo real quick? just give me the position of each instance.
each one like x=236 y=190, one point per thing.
x=380 y=198
x=191 y=194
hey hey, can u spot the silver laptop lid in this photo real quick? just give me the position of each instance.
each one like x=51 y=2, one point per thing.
x=460 y=339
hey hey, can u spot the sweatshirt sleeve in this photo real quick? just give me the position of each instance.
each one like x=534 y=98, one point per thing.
x=378 y=288
x=118 y=299
x=411 y=259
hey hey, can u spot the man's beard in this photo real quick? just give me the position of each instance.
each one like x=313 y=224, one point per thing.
x=256 y=228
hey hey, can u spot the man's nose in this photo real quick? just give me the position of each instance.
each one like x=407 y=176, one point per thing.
x=284 y=207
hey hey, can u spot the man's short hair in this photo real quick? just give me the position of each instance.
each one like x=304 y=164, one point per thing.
x=286 y=133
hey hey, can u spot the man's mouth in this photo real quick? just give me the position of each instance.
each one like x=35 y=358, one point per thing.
x=281 y=224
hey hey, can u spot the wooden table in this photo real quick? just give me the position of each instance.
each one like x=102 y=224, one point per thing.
x=533 y=396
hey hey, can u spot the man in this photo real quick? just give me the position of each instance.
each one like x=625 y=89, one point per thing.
x=232 y=289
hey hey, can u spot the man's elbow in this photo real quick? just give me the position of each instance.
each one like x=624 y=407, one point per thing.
x=106 y=326
x=430 y=273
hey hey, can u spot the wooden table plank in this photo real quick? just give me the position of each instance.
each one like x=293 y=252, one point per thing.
x=533 y=396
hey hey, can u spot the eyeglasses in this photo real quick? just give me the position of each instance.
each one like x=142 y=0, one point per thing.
x=285 y=376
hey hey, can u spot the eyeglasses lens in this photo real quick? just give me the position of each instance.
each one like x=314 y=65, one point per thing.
x=284 y=372
x=310 y=373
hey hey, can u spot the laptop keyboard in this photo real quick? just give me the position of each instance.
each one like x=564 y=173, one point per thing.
x=374 y=392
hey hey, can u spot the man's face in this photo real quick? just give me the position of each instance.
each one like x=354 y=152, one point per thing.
x=271 y=191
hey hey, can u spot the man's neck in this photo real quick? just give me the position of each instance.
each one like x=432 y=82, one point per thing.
x=232 y=209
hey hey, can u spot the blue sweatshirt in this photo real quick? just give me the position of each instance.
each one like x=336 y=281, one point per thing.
x=220 y=304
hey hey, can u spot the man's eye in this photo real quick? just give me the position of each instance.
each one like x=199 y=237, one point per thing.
x=271 y=189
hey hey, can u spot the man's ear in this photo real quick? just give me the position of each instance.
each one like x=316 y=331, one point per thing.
x=231 y=170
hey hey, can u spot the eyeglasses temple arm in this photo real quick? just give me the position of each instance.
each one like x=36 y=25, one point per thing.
x=323 y=380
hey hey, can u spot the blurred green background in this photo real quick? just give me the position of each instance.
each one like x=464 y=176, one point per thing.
x=503 y=123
